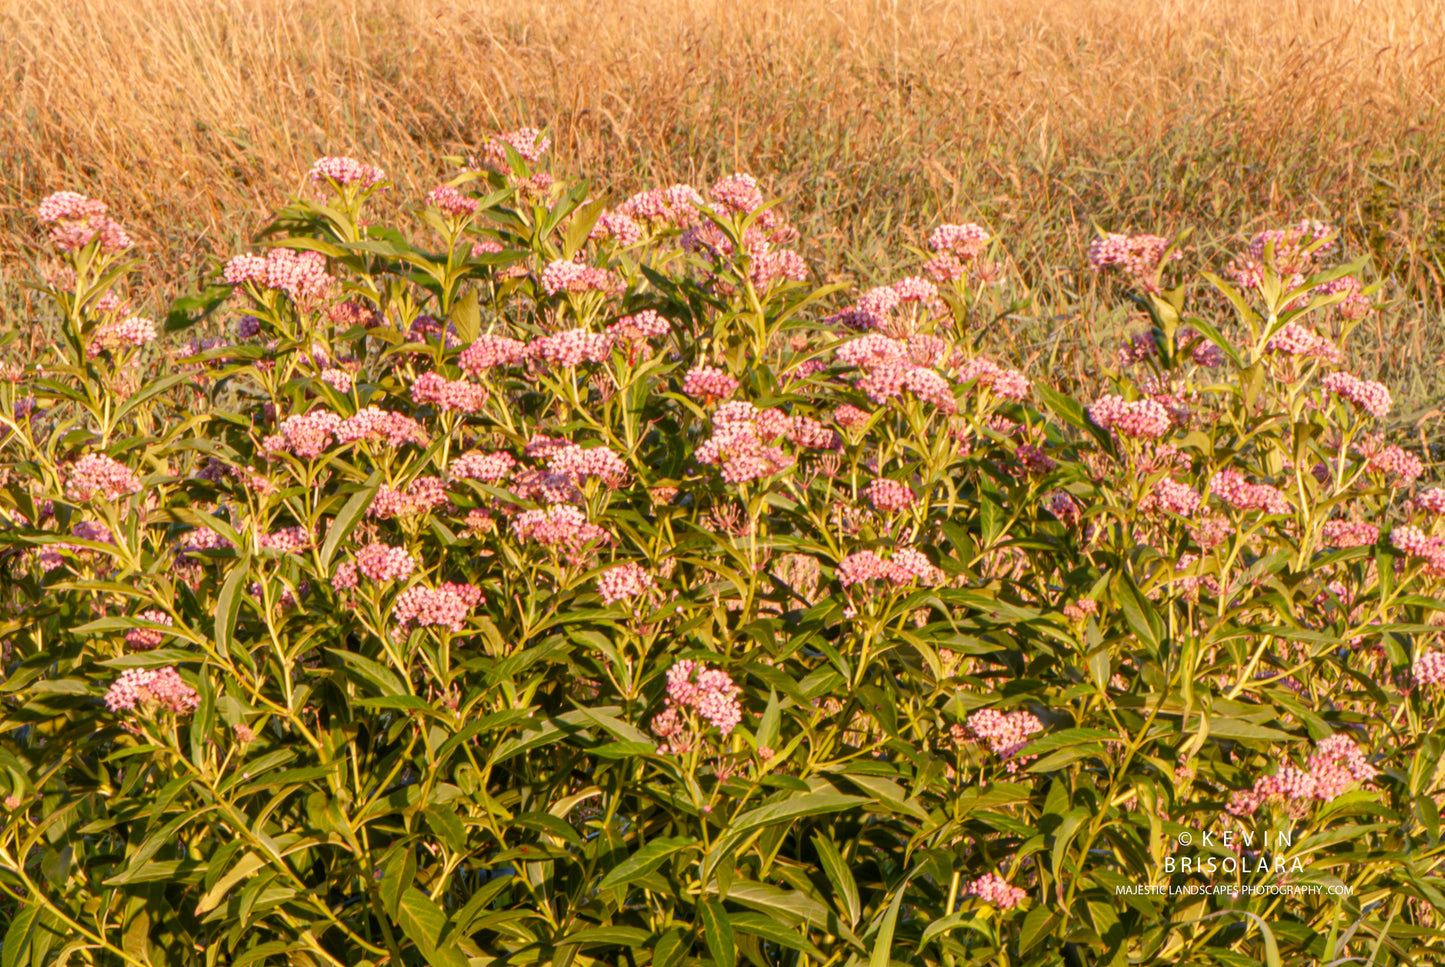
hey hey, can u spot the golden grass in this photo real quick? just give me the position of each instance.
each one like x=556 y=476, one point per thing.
x=873 y=119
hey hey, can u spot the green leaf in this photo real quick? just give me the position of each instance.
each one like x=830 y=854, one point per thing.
x=644 y=861
x=228 y=606
x=345 y=522
x=467 y=317
x=718 y=932
x=17 y=938
x=368 y=671
x=839 y=876
x=883 y=947
x=247 y=865
x=423 y=922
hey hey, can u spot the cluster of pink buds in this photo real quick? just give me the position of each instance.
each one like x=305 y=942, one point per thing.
x=1170 y=496
x=75 y=221
x=301 y=275
x=423 y=494
x=1428 y=669
x=889 y=496
x=889 y=372
x=448 y=395
x=618 y=227
x=623 y=583
x=1432 y=500
x=570 y=348
x=1295 y=250
x=1231 y=487
x=1372 y=397
x=380 y=562
x=1004 y=734
x=491 y=352
x=345 y=173
x=97 y=475
x=1336 y=765
x=1138 y=419
x=560 y=526
x=1296 y=340
x=1137 y=256
x=566 y=275
x=905 y=566
x=145 y=687
x=446 y=606
x=374 y=422
x=578 y=463
x=708 y=692
x=741 y=442
x=451 y=202
x=1412 y=541
x=995 y=891
x=144 y=638
x=120 y=334
x=50 y=557
x=530 y=143
x=675 y=206
x=479 y=465
x=1009 y=384
x=639 y=327
x=1346 y=533
x=708 y=384
x=737 y=193
x=305 y=436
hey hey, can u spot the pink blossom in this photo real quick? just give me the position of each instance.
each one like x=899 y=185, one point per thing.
x=96 y=474
x=578 y=463
x=111 y=336
x=1137 y=256
x=381 y=562
x=530 y=143
x=305 y=436
x=448 y=395
x=148 y=637
x=301 y=275
x=1344 y=533
x=889 y=496
x=447 y=606
x=623 y=583
x=709 y=692
x=1296 y=340
x=345 y=172
x=373 y=421
x=1432 y=500
x=491 y=352
x=570 y=348
x=905 y=566
x=995 y=891
x=708 y=383
x=144 y=687
x=617 y=227
x=1010 y=384
x=1004 y=734
x=965 y=241
x=67 y=205
x=561 y=527
x=451 y=202
x=1371 y=397
x=1231 y=487
x=676 y=206
x=1140 y=419
x=636 y=328
x=477 y=465
x=565 y=275
x=423 y=494
x=1429 y=668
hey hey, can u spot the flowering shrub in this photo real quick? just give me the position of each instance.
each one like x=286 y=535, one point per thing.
x=574 y=583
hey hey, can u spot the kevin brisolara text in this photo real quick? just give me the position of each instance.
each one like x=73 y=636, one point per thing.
x=1258 y=863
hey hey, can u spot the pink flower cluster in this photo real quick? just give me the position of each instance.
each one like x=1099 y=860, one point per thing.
x=623 y=583
x=75 y=221
x=96 y=474
x=965 y=241
x=110 y=336
x=448 y=395
x=1172 y=497
x=1139 y=419
x=617 y=227
x=1336 y=765
x=451 y=202
x=636 y=328
x=373 y=421
x=1432 y=500
x=570 y=348
x=741 y=443
x=381 y=562
x=906 y=565
x=49 y=556
x=1296 y=340
x=560 y=526
x=1231 y=487
x=491 y=352
x=305 y=436
x=421 y=495
x=1004 y=734
x=301 y=275
x=1414 y=542
x=144 y=638
x=1428 y=668
x=161 y=687
x=889 y=372
x=1346 y=533
x=578 y=463
x=709 y=692
x=337 y=379
x=446 y=606
x=345 y=172
x=676 y=205
x=287 y=540
x=1369 y=396
x=530 y=143
x=708 y=383
x=565 y=275
x=737 y=193
x=995 y=891
x=1010 y=384
x=478 y=465
x=1138 y=256
x=889 y=496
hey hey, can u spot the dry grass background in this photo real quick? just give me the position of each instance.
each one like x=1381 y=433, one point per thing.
x=875 y=120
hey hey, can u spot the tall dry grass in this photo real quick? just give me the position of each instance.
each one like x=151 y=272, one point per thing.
x=874 y=119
